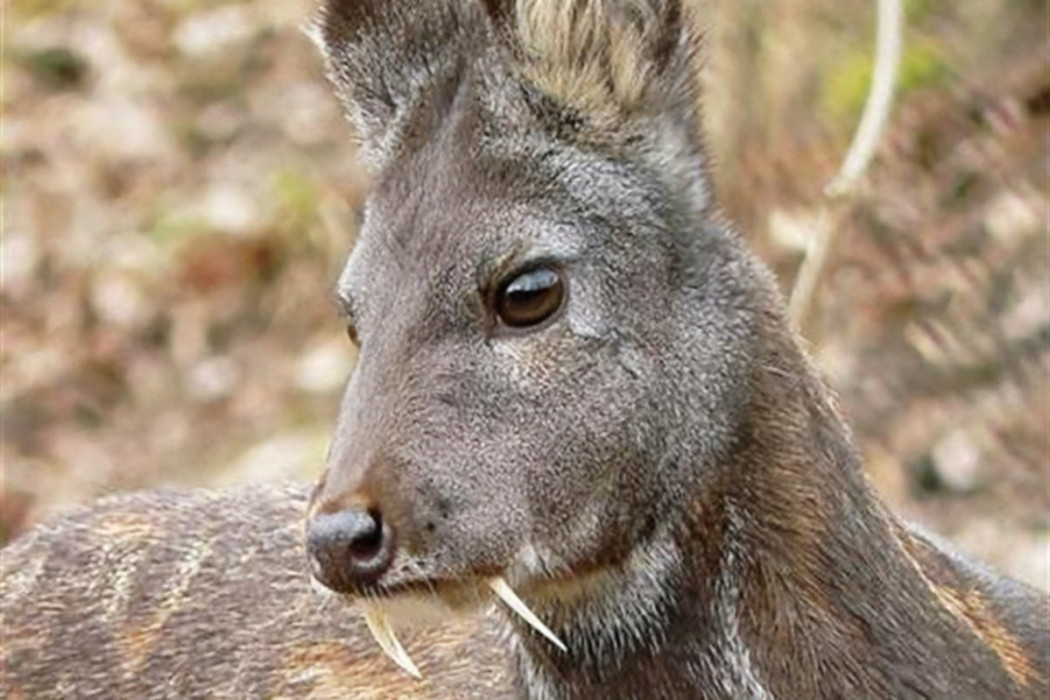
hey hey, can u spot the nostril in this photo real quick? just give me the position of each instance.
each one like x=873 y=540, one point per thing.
x=349 y=548
x=368 y=540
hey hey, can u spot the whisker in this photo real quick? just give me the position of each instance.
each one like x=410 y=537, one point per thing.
x=422 y=575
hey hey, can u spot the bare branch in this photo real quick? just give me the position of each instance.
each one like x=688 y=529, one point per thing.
x=839 y=192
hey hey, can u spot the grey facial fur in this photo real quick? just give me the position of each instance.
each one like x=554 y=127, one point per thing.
x=655 y=468
x=658 y=463
x=581 y=427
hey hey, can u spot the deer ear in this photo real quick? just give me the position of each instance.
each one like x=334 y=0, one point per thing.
x=387 y=58
x=607 y=59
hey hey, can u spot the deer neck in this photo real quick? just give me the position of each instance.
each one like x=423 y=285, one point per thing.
x=784 y=573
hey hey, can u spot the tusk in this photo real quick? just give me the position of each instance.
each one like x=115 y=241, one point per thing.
x=505 y=593
x=379 y=626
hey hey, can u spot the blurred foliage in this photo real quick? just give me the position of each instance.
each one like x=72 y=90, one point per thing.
x=56 y=67
x=180 y=190
x=847 y=83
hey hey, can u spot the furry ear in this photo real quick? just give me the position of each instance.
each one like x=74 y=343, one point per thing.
x=390 y=60
x=607 y=59
x=623 y=73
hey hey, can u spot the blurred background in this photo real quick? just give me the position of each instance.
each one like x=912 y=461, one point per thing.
x=179 y=192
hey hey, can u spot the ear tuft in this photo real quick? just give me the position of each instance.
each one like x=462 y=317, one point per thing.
x=602 y=57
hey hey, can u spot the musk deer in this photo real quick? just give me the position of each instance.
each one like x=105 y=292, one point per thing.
x=576 y=398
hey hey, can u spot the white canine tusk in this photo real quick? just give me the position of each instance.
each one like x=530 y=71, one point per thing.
x=379 y=626
x=505 y=593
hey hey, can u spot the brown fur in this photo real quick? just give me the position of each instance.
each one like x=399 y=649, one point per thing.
x=168 y=595
x=656 y=468
x=204 y=594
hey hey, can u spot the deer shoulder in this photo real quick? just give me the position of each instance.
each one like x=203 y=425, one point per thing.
x=177 y=594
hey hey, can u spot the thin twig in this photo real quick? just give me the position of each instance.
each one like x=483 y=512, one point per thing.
x=838 y=193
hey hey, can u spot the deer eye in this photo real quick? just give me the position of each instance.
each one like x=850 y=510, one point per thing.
x=530 y=298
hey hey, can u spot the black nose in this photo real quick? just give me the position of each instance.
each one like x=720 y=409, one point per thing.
x=349 y=549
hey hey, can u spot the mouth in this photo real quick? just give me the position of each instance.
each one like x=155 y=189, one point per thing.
x=375 y=602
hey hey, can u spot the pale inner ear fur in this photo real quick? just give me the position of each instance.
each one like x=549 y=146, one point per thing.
x=602 y=57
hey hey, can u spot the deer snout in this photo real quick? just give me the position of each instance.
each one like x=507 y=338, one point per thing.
x=350 y=548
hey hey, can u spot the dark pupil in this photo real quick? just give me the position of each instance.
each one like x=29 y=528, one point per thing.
x=530 y=298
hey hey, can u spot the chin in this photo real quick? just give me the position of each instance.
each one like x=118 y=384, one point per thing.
x=408 y=611
x=425 y=605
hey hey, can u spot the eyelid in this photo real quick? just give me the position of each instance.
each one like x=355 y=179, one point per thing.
x=513 y=266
